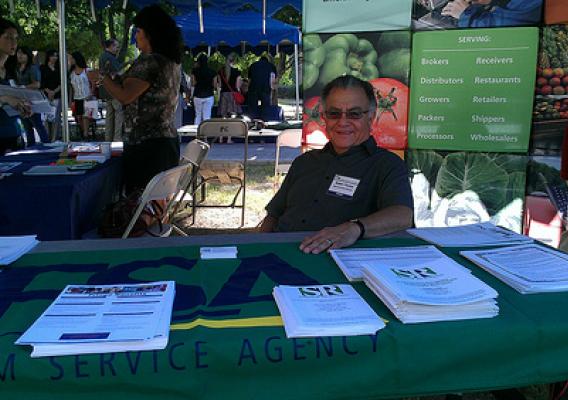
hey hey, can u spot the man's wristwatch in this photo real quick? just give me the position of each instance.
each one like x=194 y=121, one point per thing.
x=361 y=226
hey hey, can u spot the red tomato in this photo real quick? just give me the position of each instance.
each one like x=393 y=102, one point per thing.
x=390 y=127
x=311 y=118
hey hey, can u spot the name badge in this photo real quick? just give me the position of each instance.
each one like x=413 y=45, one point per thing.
x=343 y=186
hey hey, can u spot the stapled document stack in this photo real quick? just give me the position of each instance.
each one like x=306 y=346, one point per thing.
x=528 y=269
x=430 y=291
x=13 y=247
x=351 y=261
x=102 y=319
x=325 y=310
x=473 y=235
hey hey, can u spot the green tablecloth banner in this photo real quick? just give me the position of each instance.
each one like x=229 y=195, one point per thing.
x=355 y=15
x=227 y=340
x=473 y=89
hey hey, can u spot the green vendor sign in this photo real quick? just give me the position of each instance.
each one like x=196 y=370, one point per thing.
x=473 y=89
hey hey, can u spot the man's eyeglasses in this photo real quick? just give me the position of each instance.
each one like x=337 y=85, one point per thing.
x=349 y=114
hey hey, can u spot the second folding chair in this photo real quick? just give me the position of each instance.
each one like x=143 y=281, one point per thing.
x=225 y=172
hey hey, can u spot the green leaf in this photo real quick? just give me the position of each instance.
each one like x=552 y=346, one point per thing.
x=427 y=162
x=476 y=172
x=516 y=187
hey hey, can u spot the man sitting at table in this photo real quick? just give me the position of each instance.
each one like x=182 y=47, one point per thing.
x=350 y=189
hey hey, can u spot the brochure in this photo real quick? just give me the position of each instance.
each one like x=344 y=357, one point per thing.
x=530 y=268
x=325 y=310
x=430 y=291
x=103 y=318
x=473 y=235
x=351 y=261
x=13 y=247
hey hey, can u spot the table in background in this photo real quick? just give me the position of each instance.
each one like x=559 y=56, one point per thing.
x=272 y=113
x=59 y=207
x=191 y=132
x=227 y=340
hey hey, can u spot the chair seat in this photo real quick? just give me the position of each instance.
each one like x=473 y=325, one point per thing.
x=222 y=171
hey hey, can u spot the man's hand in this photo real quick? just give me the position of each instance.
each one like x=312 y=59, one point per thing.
x=455 y=8
x=331 y=238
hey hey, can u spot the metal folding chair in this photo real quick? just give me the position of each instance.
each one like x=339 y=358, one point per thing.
x=194 y=153
x=161 y=186
x=225 y=172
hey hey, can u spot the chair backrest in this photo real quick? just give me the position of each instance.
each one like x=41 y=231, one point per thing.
x=287 y=138
x=215 y=127
x=195 y=152
x=160 y=187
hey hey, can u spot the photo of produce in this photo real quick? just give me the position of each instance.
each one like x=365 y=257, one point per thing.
x=382 y=58
x=551 y=102
x=459 y=188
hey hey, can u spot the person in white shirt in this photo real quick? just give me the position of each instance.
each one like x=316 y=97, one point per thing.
x=81 y=91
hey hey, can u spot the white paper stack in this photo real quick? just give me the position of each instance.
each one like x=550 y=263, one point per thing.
x=325 y=310
x=473 y=235
x=13 y=247
x=528 y=269
x=351 y=261
x=103 y=318
x=209 y=253
x=430 y=291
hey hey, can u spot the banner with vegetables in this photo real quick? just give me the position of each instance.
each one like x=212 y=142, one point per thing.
x=552 y=74
x=382 y=58
x=460 y=188
x=473 y=89
x=324 y=16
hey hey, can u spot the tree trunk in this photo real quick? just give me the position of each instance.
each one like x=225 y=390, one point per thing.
x=127 y=23
x=111 y=29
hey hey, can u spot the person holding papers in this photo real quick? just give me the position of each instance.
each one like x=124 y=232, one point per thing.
x=10 y=130
x=350 y=189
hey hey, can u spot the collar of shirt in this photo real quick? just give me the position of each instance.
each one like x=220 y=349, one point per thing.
x=369 y=145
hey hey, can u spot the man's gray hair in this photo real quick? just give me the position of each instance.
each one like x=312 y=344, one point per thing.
x=348 y=82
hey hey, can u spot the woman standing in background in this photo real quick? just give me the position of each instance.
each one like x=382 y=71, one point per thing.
x=204 y=81
x=81 y=91
x=230 y=80
x=51 y=86
x=149 y=91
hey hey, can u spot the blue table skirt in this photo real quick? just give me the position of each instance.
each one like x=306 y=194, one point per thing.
x=55 y=207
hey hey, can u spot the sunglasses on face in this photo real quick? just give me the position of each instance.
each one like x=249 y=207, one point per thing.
x=349 y=114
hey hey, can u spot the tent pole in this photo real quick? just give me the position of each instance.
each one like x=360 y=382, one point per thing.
x=93 y=13
x=200 y=13
x=63 y=69
x=297 y=70
x=264 y=17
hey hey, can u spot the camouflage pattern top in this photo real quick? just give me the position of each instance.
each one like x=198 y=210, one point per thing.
x=152 y=114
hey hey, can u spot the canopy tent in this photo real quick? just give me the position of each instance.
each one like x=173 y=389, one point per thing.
x=236 y=29
x=268 y=7
x=227 y=6
x=233 y=29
